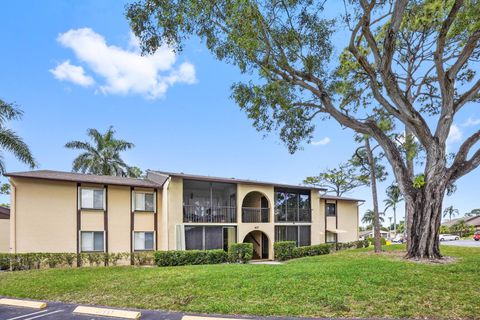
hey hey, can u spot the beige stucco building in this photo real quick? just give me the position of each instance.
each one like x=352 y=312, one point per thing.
x=55 y=211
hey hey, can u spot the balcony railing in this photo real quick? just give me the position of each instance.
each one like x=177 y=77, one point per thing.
x=255 y=214
x=203 y=214
x=293 y=215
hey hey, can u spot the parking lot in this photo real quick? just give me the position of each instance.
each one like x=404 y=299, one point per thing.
x=58 y=311
x=462 y=243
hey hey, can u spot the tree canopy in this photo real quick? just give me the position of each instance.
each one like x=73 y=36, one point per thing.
x=103 y=157
x=337 y=180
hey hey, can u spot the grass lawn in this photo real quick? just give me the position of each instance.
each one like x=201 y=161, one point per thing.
x=353 y=283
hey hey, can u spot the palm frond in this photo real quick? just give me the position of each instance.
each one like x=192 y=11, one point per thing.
x=10 y=141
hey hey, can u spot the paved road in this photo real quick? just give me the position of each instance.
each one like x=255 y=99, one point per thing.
x=62 y=311
x=59 y=311
x=462 y=243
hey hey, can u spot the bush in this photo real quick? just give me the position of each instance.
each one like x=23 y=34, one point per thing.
x=143 y=258
x=315 y=250
x=240 y=252
x=189 y=257
x=284 y=250
x=372 y=241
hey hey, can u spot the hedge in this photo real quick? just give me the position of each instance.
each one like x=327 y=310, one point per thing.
x=28 y=261
x=240 y=252
x=383 y=241
x=285 y=250
x=189 y=257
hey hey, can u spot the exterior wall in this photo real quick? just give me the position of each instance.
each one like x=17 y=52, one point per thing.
x=119 y=212
x=4 y=235
x=318 y=219
x=347 y=220
x=43 y=216
x=174 y=213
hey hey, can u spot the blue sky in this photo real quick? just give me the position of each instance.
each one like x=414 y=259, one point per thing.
x=191 y=126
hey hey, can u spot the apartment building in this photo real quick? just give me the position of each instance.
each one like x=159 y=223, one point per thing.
x=53 y=211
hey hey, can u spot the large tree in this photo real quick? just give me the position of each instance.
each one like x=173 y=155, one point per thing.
x=415 y=59
x=337 y=180
x=103 y=157
x=9 y=140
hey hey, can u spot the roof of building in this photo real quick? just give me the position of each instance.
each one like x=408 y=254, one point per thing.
x=469 y=221
x=154 y=179
x=85 y=178
x=4 y=212
x=332 y=197
x=233 y=180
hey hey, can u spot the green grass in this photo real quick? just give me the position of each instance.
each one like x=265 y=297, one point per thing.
x=354 y=283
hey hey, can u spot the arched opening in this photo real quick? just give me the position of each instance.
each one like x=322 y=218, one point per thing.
x=260 y=243
x=255 y=208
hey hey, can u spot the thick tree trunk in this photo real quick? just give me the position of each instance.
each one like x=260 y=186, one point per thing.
x=426 y=216
x=373 y=183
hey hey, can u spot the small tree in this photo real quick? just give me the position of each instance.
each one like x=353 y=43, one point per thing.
x=371 y=171
x=394 y=197
x=450 y=212
x=337 y=180
x=369 y=218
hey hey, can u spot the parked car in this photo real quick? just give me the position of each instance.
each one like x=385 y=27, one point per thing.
x=476 y=236
x=448 y=237
x=399 y=238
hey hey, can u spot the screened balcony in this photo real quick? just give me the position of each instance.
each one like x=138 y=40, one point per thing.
x=292 y=206
x=209 y=202
x=255 y=208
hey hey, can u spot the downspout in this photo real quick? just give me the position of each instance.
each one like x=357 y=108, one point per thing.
x=13 y=218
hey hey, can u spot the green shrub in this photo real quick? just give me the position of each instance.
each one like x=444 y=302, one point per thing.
x=143 y=258
x=4 y=261
x=240 y=252
x=372 y=241
x=189 y=257
x=284 y=250
x=315 y=250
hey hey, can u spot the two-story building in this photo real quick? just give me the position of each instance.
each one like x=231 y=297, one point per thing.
x=54 y=211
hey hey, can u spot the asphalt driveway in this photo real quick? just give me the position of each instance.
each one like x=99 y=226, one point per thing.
x=462 y=243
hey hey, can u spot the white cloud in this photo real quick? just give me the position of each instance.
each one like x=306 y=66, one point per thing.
x=471 y=122
x=126 y=71
x=68 y=72
x=321 y=142
x=455 y=134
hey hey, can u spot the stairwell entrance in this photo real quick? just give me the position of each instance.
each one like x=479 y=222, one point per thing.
x=260 y=244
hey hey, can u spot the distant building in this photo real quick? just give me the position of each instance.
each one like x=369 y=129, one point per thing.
x=369 y=234
x=469 y=221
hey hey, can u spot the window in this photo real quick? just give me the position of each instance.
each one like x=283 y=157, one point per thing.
x=92 y=241
x=92 y=199
x=331 y=209
x=292 y=206
x=331 y=237
x=300 y=234
x=143 y=241
x=144 y=201
x=208 y=238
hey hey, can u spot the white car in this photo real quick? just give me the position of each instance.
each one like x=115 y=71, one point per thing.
x=448 y=237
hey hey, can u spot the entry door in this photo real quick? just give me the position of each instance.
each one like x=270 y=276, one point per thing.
x=264 y=246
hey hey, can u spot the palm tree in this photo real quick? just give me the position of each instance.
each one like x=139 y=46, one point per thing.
x=450 y=211
x=369 y=217
x=9 y=140
x=394 y=197
x=103 y=156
